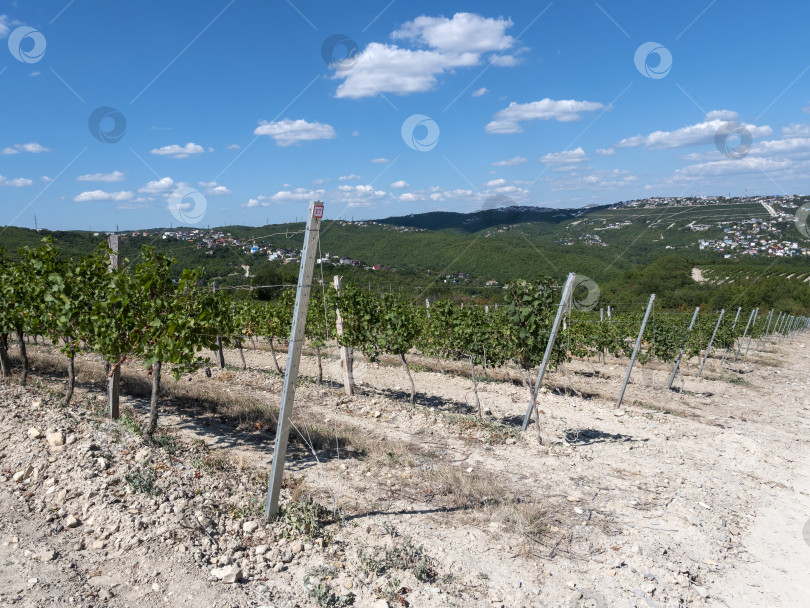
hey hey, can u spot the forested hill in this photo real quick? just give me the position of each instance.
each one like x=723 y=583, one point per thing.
x=736 y=243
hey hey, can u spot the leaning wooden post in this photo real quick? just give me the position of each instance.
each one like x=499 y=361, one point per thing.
x=725 y=352
x=711 y=340
x=635 y=351
x=683 y=348
x=564 y=303
x=346 y=356
x=745 y=333
x=753 y=327
x=294 y=357
x=114 y=378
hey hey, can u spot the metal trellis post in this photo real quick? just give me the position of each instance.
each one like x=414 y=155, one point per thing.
x=294 y=358
x=765 y=331
x=745 y=333
x=683 y=348
x=635 y=351
x=753 y=327
x=733 y=325
x=709 y=347
x=564 y=302
x=114 y=380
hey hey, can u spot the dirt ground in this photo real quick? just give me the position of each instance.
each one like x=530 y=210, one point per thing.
x=695 y=497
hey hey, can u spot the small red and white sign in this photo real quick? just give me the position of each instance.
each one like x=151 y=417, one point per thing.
x=317 y=210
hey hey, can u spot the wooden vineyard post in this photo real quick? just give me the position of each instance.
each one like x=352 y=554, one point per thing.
x=114 y=378
x=753 y=325
x=745 y=333
x=733 y=325
x=711 y=340
x=346 y=355
x=294 y=358
x=635 y=351
x=683 y=348
x=564 y=304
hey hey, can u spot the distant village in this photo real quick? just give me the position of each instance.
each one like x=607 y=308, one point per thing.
x=761 y=234
x=209 y=240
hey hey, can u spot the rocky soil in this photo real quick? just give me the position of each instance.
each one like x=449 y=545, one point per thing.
x=690 y=498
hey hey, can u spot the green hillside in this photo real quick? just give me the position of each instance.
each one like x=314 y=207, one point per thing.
x=629 y=249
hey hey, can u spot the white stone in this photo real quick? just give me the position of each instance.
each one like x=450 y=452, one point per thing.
x=249 y=527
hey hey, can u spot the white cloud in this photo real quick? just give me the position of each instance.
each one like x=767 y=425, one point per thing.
x=288 y=132
x=298 y=194
x=346 y=178
x=214 y=189
x=562 y=110
x=479 y=92
x=441 y=45
x=176 y=151
x=379 y=160
x=160 y=186
x=729 y=166
x=722 y=115
x=806 y=109
x=493 y=183
x=400 y=184
x=566 y=157
x=115 y=176
x=233 y=147
x=504 y=61
x=100 y=195
x=17 y=182
x=700 y=133
x=606 y=151
x=465 y=32
x=320 y=180
x=410 y=197
x=597 y=180
x=796 y=130
x=383 y=68
x=5 y=26
x=510 y=162
x=793 y=147
x=33 y=148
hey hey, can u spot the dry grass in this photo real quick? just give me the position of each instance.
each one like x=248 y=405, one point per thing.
x=467 y=490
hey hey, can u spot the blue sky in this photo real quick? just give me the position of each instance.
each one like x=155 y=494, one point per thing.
x=226 y=112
